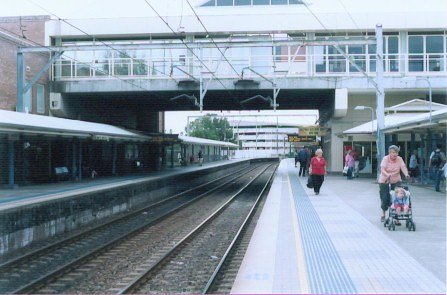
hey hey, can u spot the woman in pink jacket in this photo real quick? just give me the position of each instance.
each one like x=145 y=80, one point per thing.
x=390 y=169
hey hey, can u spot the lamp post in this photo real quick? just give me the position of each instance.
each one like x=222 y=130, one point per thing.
x=409 y=79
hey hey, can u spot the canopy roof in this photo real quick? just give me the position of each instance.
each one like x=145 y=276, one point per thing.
x=203 y=141
x=29 y=124
x=404 y=122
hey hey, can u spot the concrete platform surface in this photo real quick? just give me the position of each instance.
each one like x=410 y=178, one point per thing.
x=334 y=243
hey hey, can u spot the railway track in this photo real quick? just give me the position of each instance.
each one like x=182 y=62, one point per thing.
x=195 y=263
x=33 y=271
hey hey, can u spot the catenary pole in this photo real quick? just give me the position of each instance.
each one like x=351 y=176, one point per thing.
x=380 y=97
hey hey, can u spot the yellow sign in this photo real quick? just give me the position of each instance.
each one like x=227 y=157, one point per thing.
x=313 y=131
x=300 y=138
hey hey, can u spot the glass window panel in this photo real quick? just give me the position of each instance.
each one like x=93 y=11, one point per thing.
x=66 y=68
x=416 y=63
x=101 y=67
x=140 y=67
x=356 y=49
x=279 y=2
x=261 y=2
x=393 y=62
x=415 y=44
x=122 y=66
x=435 y=63
x=210 y=3
x=82 y=69
x=320 y=59
x=393 y=45
x=224 y=2
x=242 y=2
x=434 y=44
x=40 y=98
x=295 y=2
x=261 y=58
x=337 y=64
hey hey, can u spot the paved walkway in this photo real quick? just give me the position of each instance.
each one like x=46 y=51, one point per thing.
x=334 y=243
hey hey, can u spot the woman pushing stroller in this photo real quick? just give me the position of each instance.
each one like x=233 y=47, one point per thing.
x=390 y=169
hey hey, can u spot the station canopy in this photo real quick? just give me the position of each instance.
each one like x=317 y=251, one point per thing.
x=407 y=117
x=14 y=123
x=207 y=142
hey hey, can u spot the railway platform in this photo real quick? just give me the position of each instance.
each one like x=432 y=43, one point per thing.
x=334 y=242
x=28 y=194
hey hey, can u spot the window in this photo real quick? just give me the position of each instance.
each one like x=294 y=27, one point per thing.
x=261 y=2
x=224 y=2
x=415 y=56
x=279 y=2
x=242 y=2
x=434 y=49
x=40 y=98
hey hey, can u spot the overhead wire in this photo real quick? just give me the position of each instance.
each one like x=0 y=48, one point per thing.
x=189 y=48
x=67 y=57
x=337 y=46
x=212 y=40
x=102 y=42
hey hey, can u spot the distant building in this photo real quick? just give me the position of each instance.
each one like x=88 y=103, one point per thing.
x=263 y=138
x=15 y=32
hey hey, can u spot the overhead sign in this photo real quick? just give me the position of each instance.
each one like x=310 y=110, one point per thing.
x=300 y=138
x=313 y=131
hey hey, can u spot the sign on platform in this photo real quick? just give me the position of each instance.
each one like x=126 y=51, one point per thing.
x=313 y=131
x=300 y=138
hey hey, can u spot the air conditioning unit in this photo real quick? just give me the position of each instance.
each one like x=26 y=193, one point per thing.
x=56 y=105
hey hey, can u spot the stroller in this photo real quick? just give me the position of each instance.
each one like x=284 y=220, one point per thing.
x=390 y=222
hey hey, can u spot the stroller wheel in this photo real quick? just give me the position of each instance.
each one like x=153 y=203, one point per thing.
x=409 y=224
x=413 y=226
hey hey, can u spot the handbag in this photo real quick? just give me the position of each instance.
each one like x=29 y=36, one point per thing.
x=345 y=170
x=310 y=183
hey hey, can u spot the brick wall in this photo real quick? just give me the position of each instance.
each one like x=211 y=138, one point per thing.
x=16 y=32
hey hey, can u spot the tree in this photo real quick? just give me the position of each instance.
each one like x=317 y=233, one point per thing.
x=211 y=127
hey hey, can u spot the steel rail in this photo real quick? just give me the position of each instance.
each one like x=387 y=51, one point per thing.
x=132 y=286
x=34 y=284
x=238 y=235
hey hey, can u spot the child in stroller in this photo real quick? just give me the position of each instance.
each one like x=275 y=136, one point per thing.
x=400 y=209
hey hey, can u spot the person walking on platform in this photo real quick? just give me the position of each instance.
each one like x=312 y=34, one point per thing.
x=437 y=159
x=390 y=169
x=317 y=170
x=309 y=156
x=200 y=156
x=350 y=163
x=413 y=166
x=302 y=158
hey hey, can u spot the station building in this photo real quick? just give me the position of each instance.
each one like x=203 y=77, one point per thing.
x=253 y=55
